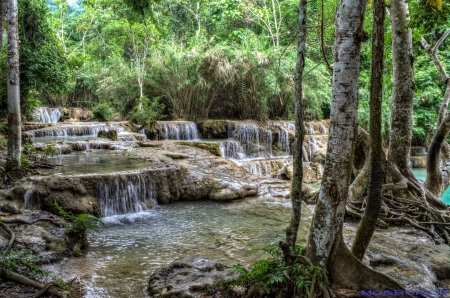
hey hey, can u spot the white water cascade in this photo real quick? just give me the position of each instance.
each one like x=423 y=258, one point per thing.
x=26 y=198
x=248 y=135
x=74 y=129
x=47 y=115
x=182 y=130
x=125 y=193
x=283 y=141
x=232 y=149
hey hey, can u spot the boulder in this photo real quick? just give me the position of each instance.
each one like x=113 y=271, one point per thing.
x=213 y=128
x=211 y=147
x=226 y=191
x=111 y=135
x=191 y=277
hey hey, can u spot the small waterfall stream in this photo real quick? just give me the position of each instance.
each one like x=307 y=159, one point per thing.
x=178 y=130
x=26 y=198
x=123 y=194
x=47 y=115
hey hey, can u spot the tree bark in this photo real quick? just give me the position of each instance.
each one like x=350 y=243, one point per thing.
x=3 y=11
x=403 y=89
x=376 y=173
x=297 y=177
x=435 y=180
x=328 y=219
x=13 y=92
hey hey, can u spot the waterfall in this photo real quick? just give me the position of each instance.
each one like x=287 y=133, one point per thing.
x=290 y=125
x=311 y=129
x=47 y=115
x=75 y=130
x=124 y=193
x=248 y=136
x=312 y=145
x=26 y=198
x=232 y=149
x=230 y=129
x=323 y=129
x=179 y=130
x=283 y=141
x=264 y=167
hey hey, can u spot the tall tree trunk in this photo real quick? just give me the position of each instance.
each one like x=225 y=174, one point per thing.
x=296 y=192
x=403 y=90
x=435 y=179
x=3 y=11
x=13 y=92
x=376 y=174
x=329 y=215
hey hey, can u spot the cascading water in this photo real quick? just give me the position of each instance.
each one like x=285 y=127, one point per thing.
x=232 y=149
x=290 y=125
x=312 y=145
x=283 y=141
x=74 y=130
x=26 y=198
x=248 y=135
x=47 y=115
x=323 y=129
x=179 y=130
x=311 y=129
x=125 y=193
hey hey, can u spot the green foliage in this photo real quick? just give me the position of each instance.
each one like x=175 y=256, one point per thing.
x=103 y=111
x=151 y=111
x=21 y=261
x=78 y=224
x=24 y=161
x=270 y=277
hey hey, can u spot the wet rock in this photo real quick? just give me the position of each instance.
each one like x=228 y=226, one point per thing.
x=418 y=161
x=191 y=277
x=226 y=191
x=111 y=135
x=175 y=155
x=320 y=156
x=33 y=126
x=211 y=147
x=76 y=114
x=10 y=207
x=213 y=128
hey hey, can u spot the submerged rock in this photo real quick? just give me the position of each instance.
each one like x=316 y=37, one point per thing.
x=191 y=277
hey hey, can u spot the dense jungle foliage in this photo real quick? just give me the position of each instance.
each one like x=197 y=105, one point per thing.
x=202 y=59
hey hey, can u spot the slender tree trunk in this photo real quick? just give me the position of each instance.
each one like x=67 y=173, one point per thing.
x=403 y=90
x=297 y=178
x=13 y=92
x=329 y=215
x=435 y=179
x=3 y=11
x=376 y=174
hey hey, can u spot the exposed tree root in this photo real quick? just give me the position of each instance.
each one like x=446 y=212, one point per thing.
x=4 y=273
x=411 y=210
x=11 y=233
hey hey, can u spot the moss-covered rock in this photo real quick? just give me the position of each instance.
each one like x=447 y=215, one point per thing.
x=213 y=128
x=211 y=147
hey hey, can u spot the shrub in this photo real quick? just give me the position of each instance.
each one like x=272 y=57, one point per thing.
x=103 y=111
x=270 y=277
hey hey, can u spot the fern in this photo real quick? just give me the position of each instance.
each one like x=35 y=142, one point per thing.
x=81 y=222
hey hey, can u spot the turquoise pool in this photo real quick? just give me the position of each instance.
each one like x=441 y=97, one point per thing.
x=421 y=174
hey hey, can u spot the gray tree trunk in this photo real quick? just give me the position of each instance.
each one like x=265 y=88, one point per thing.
x=3 y=10
x=328 y=219
x=376 y=174
x=297 y=178
x=435 y=179
x=403 y=90
x=13 y=92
